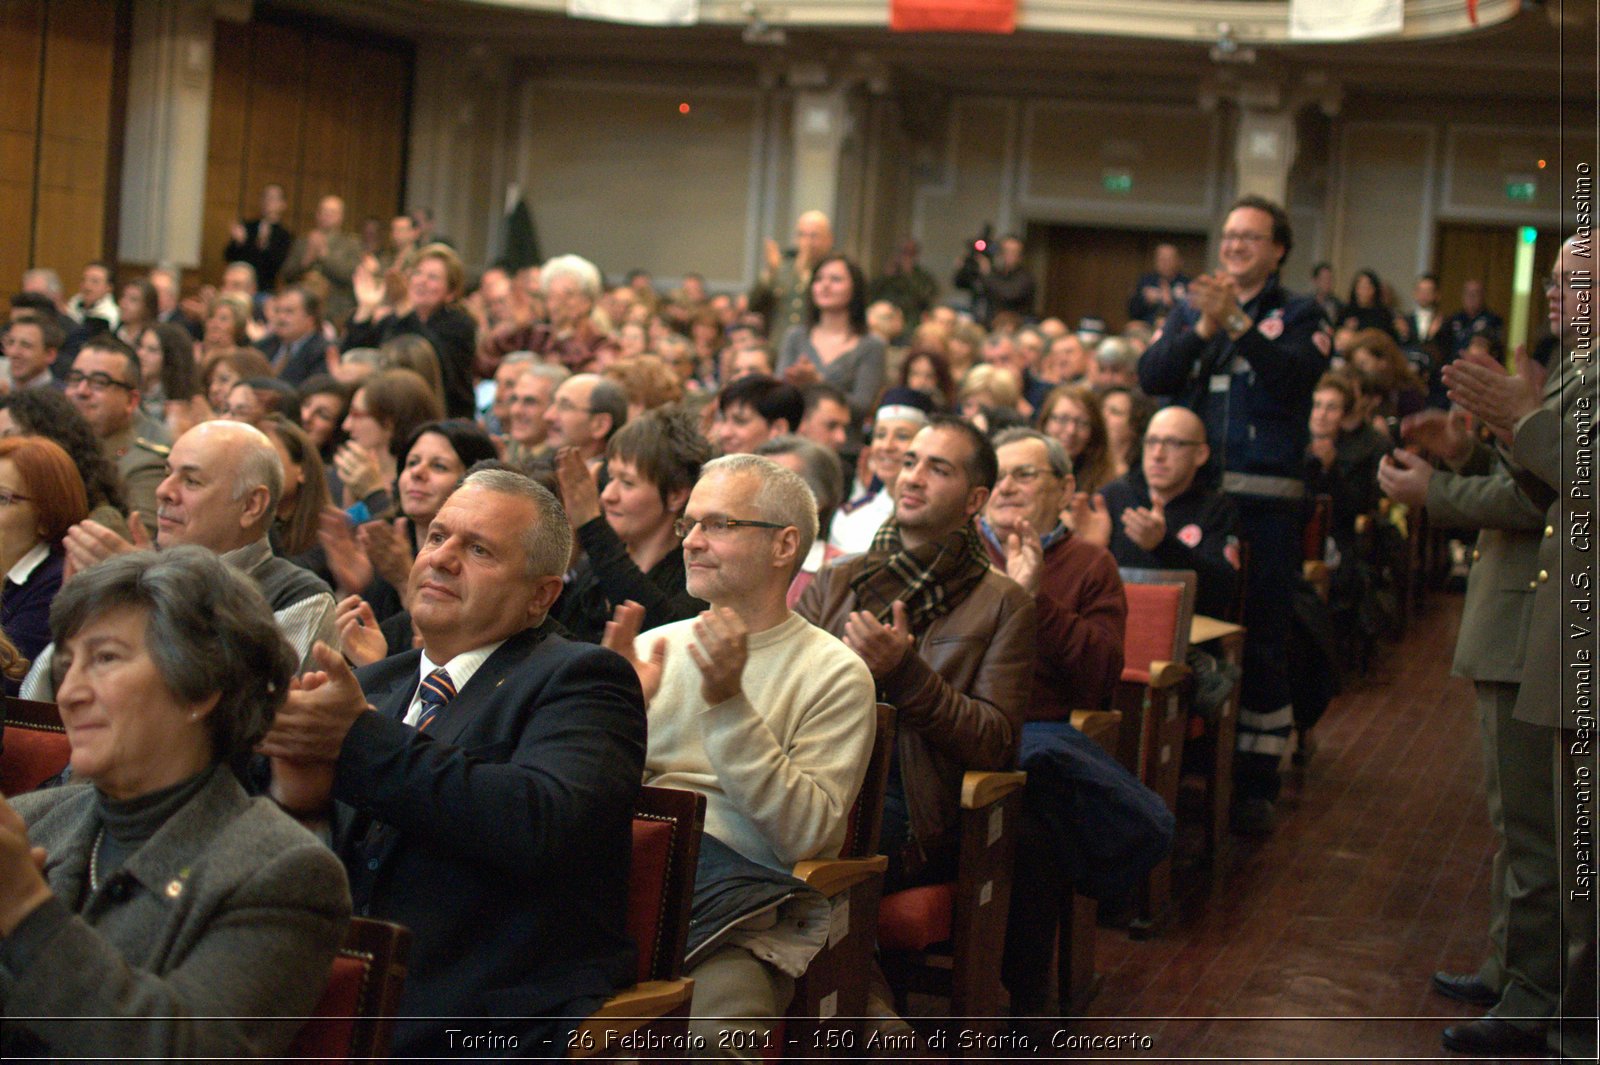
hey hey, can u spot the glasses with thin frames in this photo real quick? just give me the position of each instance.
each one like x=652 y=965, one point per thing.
x=1170 y=442
x=11 y=499
x=716 y=525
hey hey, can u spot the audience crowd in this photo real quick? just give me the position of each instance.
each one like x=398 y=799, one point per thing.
x=492 y=518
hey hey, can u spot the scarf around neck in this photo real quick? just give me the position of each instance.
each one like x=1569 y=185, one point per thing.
x=931 y=580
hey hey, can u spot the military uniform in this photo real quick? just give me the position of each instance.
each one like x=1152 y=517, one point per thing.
x=1525 y=902
x=141 y=466
x=1548 y=446
x=781 y=297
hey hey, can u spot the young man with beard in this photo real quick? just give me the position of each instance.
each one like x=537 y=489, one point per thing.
x=949 y=641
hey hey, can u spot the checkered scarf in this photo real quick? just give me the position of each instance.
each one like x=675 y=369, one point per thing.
x=931 y=580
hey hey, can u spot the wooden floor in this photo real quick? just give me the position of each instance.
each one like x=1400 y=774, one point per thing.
x=1318 y=943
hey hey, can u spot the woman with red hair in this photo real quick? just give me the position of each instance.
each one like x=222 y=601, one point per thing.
x=41 y=497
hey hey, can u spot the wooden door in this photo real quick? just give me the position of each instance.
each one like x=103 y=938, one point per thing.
x=1091 y=270
x=1489 y=254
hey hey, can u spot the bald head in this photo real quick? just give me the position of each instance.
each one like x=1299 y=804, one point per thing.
x=330 y=213
x=222 y=487
x=1570 y=296
x=813 y=237
x=1174 y=450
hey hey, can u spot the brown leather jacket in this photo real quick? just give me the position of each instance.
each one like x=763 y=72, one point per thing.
x=959 y=700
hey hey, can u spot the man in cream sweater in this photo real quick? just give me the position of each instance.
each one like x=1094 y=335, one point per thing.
x=767 y=716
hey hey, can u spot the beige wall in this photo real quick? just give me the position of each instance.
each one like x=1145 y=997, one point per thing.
x=615 y=173
x=1396 y=180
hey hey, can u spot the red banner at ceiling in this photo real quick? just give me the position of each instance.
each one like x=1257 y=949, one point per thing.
x=953 y=16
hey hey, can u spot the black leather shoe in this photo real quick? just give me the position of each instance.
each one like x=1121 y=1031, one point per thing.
x=1490 y=1037
x=1465 y=988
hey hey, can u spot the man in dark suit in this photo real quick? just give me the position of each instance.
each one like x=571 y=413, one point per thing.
x=262 y=242
x=483 y=785
x=296 y=346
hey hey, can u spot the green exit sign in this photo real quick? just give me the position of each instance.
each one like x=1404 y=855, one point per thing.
x=1521 y=190
x=1118 y=181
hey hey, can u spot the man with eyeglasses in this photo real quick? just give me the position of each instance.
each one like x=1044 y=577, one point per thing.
x=1245 y=354
x=1164 y=516
x=768 y=717
x=586 y=411
x=104 y=385
x=1082 y=613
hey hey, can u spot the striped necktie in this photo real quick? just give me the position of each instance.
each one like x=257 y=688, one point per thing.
x=437 y=690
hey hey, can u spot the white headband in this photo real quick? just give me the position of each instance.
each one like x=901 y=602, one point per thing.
x=902 y=413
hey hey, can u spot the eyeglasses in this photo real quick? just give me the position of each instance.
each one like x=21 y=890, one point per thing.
x=716 y=526
x=97 y=381
x=566 y=406
x=1153 y=442
x=11 y=499
x=1245 y=238
x=1065 y=420
x=1025 y=474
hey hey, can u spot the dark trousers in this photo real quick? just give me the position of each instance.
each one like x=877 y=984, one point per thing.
x=1273 y=528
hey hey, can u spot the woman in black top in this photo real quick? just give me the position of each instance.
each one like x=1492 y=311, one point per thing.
x=1366 y=308
x=431 y=310
x=626 y=531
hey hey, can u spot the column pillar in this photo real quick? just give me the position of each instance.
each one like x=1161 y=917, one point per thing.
x=1264 y=151
x=821 y=124
x=168 y=122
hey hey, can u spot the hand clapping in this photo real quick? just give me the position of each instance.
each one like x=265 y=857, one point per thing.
x=882 y=647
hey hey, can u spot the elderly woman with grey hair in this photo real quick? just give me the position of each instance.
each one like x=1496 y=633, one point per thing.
x=152 y=908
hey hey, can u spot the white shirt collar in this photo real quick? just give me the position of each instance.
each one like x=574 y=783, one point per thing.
x=19 y=573
x=461 y=668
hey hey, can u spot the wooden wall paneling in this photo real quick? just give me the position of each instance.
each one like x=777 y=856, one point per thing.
x=277 y=104
x=377 y=146
x=1475 y=252
x=21 y=36
x=317 y=112
x=75 y=134
x=225 y=142
x=326 y=130
x=1092 y=270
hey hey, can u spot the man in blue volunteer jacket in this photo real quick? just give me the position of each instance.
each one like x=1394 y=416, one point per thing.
x=1244 y=353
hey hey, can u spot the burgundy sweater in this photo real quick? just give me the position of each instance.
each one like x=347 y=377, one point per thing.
x=1082 y=614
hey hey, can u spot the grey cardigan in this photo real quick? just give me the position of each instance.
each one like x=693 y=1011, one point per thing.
x=207 y=942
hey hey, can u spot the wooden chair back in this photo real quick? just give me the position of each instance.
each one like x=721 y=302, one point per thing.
x=1160 y=608
x=667 y=823
x=35 y=746
x=354 y=1018
x=866 y=813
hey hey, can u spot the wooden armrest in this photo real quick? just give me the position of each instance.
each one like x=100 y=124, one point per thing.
x=1204 y=629
x=1098 y=725
x=831 y=876
x=627 y=1012
x=1167 y=674
x=645 y=1002
x=983 y=788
